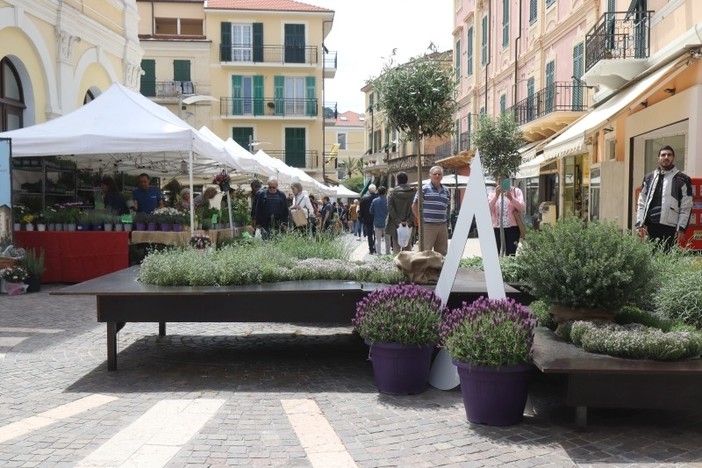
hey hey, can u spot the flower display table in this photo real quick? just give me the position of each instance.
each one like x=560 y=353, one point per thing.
x=183 y=238
x=73 y=257
x=121 y=299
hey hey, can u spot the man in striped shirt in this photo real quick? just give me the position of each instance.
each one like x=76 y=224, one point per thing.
x=436 y=203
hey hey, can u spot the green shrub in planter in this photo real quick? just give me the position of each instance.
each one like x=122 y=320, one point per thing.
x=592 y=265
x=511 y=270
x=540 y=310
x=679 y=297
x=635 y=341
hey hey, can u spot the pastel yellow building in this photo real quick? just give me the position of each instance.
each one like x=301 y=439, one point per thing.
x=253 y=70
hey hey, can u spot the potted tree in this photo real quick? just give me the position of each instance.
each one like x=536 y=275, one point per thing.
x=401 y=325
x=586 y=271
x=491 y=343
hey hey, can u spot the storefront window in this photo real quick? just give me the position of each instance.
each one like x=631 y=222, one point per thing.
x=595 y=194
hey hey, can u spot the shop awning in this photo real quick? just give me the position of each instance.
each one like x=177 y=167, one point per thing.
x=531 y=167
x=572 y=140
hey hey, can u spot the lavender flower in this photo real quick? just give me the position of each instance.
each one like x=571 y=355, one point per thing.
x=489 y=332
x=404 y=313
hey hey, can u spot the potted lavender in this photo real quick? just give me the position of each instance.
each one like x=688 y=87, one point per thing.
x=401 y=325
x=491 y=342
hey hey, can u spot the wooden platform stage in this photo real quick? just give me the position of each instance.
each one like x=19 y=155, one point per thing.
x=121 y=298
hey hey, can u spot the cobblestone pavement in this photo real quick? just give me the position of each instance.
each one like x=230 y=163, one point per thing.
x=59 y=406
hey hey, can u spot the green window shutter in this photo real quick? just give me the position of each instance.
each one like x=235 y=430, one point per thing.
x=258 y=42
x=237 y=102
x=311 y=95
x=458 y=59
x=505 y=23
x=295 y=141
x=484 y=42
x=533 y=11
x=181 y=70
x=469 y=51
x=243 y=136
x=258 y=94
x=550 y=86
x=530 y=99
x=225 y=52
x=503 y=104
x=148 y=79
x=578 y=66
x=279 y=94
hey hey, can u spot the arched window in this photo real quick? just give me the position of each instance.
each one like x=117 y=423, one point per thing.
x=11 y=97
x=89 y=96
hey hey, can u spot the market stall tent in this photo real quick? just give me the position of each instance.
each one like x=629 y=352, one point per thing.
x=124 y=131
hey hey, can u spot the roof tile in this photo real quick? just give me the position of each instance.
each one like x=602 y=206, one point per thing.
x=264 y=5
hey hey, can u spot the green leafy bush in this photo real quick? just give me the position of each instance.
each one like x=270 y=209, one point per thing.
x=635 y=341
x=511 y=269
x=587 y=265
x=631 y=314
x=540 y=309
x=255 y=261
x=679 y=296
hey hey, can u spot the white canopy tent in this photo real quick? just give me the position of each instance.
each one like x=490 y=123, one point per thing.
x=343 y=192
x=125 y=131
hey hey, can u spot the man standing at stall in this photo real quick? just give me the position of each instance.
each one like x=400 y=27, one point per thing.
x=436 y=204
x=146 y=198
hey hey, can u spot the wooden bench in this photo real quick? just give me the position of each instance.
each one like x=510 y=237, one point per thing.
x=596 y=380
x=121 y=298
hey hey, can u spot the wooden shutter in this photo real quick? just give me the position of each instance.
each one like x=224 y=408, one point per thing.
x=258 y=42
x=258 y=94
x=225 y=52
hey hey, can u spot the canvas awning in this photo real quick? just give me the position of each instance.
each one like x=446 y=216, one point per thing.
x=572 y=140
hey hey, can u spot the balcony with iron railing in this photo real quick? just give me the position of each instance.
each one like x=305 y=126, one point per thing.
x=550 y=109
x=330 y=112
x=618 y=35
x=283 y=54
x=166 y=89
x=305 y=159
x=330 y=64
x=269 y=107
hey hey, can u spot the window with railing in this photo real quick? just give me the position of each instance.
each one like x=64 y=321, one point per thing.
x=618 y=35
x=557 y=97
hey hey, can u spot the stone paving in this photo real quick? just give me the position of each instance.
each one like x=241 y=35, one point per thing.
x=54 y=354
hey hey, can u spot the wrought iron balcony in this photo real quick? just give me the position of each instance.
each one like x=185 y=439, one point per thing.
x=618 y=35
x=248 y=53
x=272 y=107
x=304 y=159
x=330 y=111
x=445 y=150
x=166 y=89
x=558 y=97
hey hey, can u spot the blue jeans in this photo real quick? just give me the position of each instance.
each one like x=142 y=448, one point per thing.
x=357 y=228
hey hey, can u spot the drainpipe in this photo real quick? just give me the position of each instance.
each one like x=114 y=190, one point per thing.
x=489 y=51
x=324 y=126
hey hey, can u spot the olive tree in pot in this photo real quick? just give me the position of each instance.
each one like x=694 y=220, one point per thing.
x=586 y=271
x=498 y=141
x=418 y=99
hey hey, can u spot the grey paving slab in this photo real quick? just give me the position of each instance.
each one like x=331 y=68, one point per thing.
x=252 y=367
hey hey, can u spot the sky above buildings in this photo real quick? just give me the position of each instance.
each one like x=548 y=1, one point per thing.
x=365 y=32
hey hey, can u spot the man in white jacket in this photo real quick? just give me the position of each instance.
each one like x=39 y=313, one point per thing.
x=665 y=201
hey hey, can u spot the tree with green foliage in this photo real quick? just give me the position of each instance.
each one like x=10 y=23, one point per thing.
x=418 y=99
x=498 y=141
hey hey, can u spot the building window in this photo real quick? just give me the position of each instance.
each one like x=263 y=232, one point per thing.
x=484 y=42
x=341 y=140
x=505 y=23
x=578 y=67
x=242 y=43
x=243 y=136
x=533 y=11
x=11 y=97
x=469 y=52
x=531 y=102
x=457 y=54
x=550 y=86
x=503 y=103
x=549 y=3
